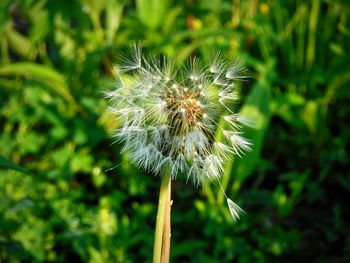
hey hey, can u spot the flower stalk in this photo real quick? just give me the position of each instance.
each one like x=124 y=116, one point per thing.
x=162 y=233
x=167 y=228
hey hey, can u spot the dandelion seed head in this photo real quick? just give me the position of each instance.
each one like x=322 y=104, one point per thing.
x=169 y=117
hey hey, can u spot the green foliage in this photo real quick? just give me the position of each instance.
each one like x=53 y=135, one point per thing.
x=61 y=202
x=6 y=164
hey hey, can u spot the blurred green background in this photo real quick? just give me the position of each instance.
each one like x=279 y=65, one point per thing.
x=58 y=201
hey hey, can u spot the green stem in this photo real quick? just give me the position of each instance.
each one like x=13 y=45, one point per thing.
x=167 y=228
x=163 y=196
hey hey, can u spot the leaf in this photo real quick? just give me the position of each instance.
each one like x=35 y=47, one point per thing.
x=171 y=19
x=256 y=107
x=40 y=73
x=19 y=43
x=6 y=164
x=151 y=12
x=113 y=18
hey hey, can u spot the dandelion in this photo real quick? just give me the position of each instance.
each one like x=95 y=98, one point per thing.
x=170 y=117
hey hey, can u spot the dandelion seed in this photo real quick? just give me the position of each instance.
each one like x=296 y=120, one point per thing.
x=235 y=121
x=235 y=210
x=237 y=71
x=134 y=62
x=218 y=63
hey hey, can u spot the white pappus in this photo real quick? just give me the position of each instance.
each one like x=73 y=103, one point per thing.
x=169 y=117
